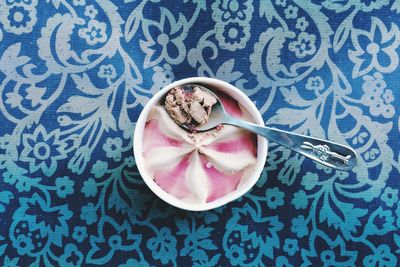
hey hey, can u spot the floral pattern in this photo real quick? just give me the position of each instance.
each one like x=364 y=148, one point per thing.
x=377 y=97
x=74 y=76
x=164 y=39
x=19 y=18
x=42 y=150
x=232 y=19
x=94 y=33
x=378 y=52
x=305 y=45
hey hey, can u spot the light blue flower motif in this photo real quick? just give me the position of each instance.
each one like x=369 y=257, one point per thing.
x=327 y=252
x=35 y=94
x=18 y=16
x=99 y=168
x=290 y=246
x=134 y=262
x=374 y=88
x=300 y=200
x=398 y=215
x=380 y=222
x=94 y=33
x=18 y=19
x=291 y=12
x=261 y=240
x=88 y=214
x=282 y=261
x=236 y=255
x=89 y=188
x=388 y=96
x=304 y=45
x=91 y=12
x=113 y=148
x=42 y=150
x=164 y=39
x=390 y=196
x=13 y=99
x=162 y=76
x=163 y=246
x=274 y=197
x=129 y=161
x=37 y=214
x=309 y=180
x=107 y=72
x=65 y=186
x=79 y=2
x=302 y=24
x=23 y=244
x=232 y=10
x=71 y=257
x=233 y=36
x=375 y=49
x=80 y=233
x=299 y=226
x=280 y=3
x=382 y=257
x=315 y=83
x=10 y=262
x=112 y=237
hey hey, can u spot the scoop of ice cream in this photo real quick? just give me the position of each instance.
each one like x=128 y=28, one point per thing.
x=198 y=167
x=189 y=107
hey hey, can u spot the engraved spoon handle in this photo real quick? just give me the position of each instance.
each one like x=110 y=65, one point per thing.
x=328 y=153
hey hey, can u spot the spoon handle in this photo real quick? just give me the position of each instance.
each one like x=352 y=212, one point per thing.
x=328 y=153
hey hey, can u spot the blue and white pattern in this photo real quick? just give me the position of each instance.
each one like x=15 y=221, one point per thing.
x=74 y=75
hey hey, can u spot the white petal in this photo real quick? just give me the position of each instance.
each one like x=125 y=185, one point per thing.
x=197 y=180
x=164 y=157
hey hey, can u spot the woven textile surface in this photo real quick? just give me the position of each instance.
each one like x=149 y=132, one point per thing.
x=75 y=74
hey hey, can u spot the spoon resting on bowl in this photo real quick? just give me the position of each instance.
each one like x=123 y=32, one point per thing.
x=208 y=112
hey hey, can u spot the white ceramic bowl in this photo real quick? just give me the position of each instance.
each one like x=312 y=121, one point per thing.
x=262 y=145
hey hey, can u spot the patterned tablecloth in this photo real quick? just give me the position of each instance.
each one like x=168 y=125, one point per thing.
x=76 y=73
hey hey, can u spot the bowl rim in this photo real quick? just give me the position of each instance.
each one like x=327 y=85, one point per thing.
x=262 y=146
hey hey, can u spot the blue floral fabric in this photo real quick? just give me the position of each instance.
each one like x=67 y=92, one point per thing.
x=75 y=74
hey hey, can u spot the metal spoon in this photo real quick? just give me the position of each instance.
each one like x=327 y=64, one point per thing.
x=328 y=153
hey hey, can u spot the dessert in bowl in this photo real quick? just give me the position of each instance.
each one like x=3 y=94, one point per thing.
x=198 y=170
